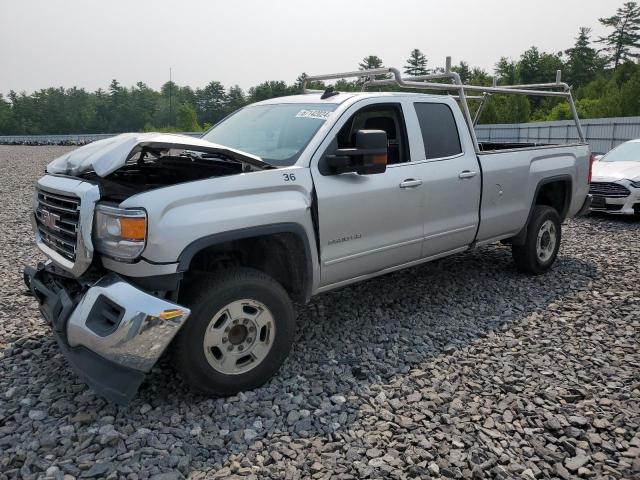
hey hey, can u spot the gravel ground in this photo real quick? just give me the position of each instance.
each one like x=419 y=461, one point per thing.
x=457 y=369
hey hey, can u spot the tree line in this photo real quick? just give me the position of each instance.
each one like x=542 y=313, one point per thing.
x=604 y=74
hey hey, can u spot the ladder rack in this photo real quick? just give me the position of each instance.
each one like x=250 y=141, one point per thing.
x=434 y=82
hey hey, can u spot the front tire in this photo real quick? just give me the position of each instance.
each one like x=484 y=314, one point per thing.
x=239 y=333
x=542 y=242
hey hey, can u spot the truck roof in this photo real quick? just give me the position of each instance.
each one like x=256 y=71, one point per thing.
x=338 y=98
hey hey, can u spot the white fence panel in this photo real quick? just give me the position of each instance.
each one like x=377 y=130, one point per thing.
x=602 y=133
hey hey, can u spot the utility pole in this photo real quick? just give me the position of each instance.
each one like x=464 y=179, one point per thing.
x=170 y=95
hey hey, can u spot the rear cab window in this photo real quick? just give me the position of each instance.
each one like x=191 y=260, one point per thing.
x=439 y=130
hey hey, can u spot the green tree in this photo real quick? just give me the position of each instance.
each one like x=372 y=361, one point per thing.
x=516 y=109
x=5 y=116
x=480 y=77
x=235 y=99
x=370 y=62
x=187 y=118
x=186 y=95
x=344 y=85
x=583 y=61
x=171 y=97
x=537 y=67
x=269 y=89
x=489 y=112
x=99 y=98
x=210 y=103
x=506 y=109
x=118 y=113
x=505 y=71
x=463 y=70
x=312 y=85
x=416 y=63
x=629 y=94
x=588 y=108
x=622 y=43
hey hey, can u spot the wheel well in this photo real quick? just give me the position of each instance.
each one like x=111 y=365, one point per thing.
x=555 y=194
x=282 y=256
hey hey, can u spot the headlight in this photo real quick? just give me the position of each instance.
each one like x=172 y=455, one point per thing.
x=635 y=183
x=119 y=233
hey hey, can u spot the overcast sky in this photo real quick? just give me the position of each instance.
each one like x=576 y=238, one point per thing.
x=87 y=43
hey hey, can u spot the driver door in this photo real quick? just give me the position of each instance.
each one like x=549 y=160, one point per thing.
x=368 y=223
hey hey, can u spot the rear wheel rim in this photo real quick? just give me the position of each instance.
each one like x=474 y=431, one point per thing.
x=546 y=241
x=239 y=337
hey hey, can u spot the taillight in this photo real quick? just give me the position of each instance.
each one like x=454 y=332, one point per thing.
x=592 y=159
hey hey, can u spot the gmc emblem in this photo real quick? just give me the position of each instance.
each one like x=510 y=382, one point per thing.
x=49 y=219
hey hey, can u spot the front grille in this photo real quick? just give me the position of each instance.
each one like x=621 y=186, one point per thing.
x=57 y=220
x=609 y=189
x=612 y=207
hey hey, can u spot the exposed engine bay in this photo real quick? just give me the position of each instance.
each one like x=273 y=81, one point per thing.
x=156 y=169
x=132 y=163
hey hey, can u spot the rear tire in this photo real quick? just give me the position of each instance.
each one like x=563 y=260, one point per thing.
x=542 y=242
x=239 y=333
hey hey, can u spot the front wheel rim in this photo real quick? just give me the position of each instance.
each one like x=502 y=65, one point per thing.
x=546 y=241
x=239 y=337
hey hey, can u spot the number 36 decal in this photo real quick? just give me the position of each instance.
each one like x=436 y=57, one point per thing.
x=289 y=177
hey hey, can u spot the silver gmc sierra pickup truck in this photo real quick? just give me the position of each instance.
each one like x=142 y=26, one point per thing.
x=198 y=247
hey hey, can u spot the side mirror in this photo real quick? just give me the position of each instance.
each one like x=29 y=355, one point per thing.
x=368 y=157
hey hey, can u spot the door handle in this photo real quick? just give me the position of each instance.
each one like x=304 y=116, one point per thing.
x=411 y=183
x=467 y=174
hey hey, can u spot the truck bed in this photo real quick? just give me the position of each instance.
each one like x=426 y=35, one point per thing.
x=512 y=175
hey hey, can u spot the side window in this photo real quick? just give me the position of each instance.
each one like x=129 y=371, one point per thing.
x=439 y=130
x=378 y=117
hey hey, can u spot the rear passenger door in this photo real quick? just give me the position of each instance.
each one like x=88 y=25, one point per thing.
x=451 y=175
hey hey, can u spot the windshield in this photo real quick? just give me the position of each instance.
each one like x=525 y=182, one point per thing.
x=627 y=152
x=276 y=133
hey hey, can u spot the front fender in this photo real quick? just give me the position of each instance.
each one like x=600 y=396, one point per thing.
x=184 y=218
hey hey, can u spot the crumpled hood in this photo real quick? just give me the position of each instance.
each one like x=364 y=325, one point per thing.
x=608 y=171
x=107 y=155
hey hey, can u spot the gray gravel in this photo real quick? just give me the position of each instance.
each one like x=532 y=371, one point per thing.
x=461 y=368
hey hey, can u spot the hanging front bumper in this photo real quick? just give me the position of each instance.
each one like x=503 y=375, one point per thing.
x=111 y=332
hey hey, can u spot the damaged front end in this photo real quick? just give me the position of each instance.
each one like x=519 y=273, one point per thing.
x=112 y=328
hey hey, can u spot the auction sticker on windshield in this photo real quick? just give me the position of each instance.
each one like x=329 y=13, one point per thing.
x=317 y=114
